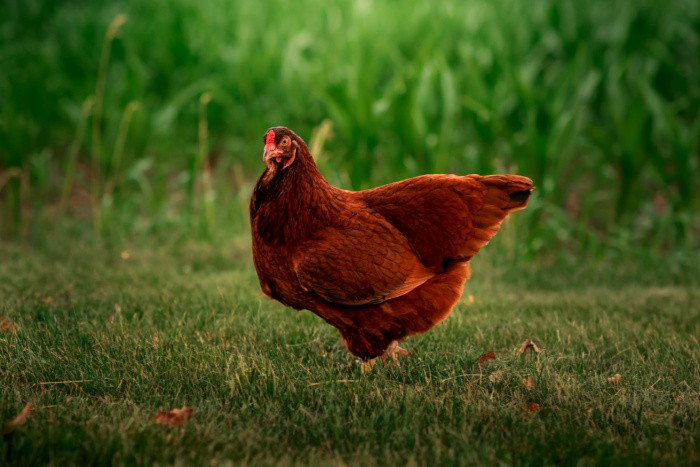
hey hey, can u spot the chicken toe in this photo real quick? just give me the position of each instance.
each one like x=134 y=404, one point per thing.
x=393 y=352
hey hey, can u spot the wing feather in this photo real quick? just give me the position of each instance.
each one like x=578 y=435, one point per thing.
x=364 y=261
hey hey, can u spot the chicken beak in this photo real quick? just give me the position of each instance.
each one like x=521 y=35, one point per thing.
x=267 y=152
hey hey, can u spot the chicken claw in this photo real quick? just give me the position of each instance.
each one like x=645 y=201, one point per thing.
x=393 y=352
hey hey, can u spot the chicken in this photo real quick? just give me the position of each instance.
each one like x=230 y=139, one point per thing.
x=380 y=264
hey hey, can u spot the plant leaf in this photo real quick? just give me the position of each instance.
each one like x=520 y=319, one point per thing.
x=488 y=355
x=529 y=344
x=7 y=326
x=18 y=420
x=616 y=379
x=533 y=407
x=175 y=417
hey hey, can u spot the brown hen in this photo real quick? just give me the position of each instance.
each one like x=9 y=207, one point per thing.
x=379 y=264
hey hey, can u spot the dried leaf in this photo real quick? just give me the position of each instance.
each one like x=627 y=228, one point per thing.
x=124 y=255
x=496 y=376
x=17 y=421
x=488 y=355
x=616 y=380
x=529 y=344
x=529 y=382
x=7 y=326
x=175 y=417
x=533 y=407
x=468 y=300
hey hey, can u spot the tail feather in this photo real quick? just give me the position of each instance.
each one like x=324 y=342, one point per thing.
x=520 y=197
x=507 y=192
x=502 y=195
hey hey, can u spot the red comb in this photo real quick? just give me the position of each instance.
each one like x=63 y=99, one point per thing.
x=270 y=137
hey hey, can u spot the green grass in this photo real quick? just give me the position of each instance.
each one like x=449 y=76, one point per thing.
x=184 y=323
x=102 y=114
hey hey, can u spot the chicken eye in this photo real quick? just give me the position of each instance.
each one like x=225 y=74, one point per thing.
x=285 y=141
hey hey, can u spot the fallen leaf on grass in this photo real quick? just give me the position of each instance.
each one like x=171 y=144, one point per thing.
x=529 y=382
x=17 y=421
x=488 y=355
x=616 y=380
x=468 y=300
x=175 y=417
x=528 y=344
x=7 y=326
x=533 y=407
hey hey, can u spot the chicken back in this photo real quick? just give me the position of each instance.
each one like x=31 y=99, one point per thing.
x=379 y=264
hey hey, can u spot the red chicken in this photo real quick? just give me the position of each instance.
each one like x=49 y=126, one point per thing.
x=379 y=264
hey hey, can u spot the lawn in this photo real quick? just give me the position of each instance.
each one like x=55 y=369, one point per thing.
x=99 y=339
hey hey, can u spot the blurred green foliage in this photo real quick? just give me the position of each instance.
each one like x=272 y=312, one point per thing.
x=597 y=101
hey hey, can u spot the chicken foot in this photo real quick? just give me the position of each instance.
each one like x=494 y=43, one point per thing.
x=393 y=352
